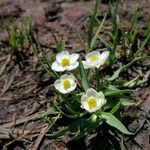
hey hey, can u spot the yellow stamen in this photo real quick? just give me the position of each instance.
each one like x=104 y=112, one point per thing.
x=66 y=84
x=94 y=58
x=65 y=62
x=92 y=102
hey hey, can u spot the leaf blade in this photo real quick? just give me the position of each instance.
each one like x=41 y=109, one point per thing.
x=114 y=122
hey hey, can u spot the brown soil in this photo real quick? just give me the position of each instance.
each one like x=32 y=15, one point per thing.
x=26 y=92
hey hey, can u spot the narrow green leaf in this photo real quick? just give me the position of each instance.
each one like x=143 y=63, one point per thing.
x=91 y=24
x=119 y=82
x=134 y=18
x=114 y=17
x=117 y=92
x=114 y=122
x=127 y=102
x=98 y=31
x=85 y=82
x=115 y=108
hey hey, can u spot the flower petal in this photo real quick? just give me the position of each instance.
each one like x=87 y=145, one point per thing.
x=84 y=103
x=100 y=95
x=59 y=86
x=72 y=66
x=104 y=56
x=74 y=57
x=87 y=65
x=62 y=55
x=71 y=77
x=91 y=92
x=56 y=67
x=83 y=98
x=101 y=98
x=93 y=53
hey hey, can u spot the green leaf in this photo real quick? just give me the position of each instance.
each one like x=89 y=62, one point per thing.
x=114 y=122
x=85 y=82
x=117 y=92
x=134 y=18
x=115 y=108
x=127 y=102
x=119 y=82
x=91 y=24
x=97 y=32
x=114 y=17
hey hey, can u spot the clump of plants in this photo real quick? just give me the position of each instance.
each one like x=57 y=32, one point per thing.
x=87 y=89
x=19 y=39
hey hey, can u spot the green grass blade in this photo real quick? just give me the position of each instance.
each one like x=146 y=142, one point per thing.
x=85 y=82
x=98 y=31
x=91 y=24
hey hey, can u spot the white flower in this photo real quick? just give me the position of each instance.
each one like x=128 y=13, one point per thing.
x=65 y=84
x=65 y=61
x=92 y=100
x=95 y=59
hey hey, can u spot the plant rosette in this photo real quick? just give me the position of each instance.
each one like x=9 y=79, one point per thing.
x=92 y=100
x=65 y=61
x=94 y=59
x=65 y=84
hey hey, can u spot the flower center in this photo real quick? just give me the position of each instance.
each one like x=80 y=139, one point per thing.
x=92 y=102
x=94 y=58
x=66 y=84
x=65 y=62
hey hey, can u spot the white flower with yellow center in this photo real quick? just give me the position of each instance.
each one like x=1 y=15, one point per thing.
x=95 y=59
x=65 y=84
x=65 y=61
x=92 y=100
